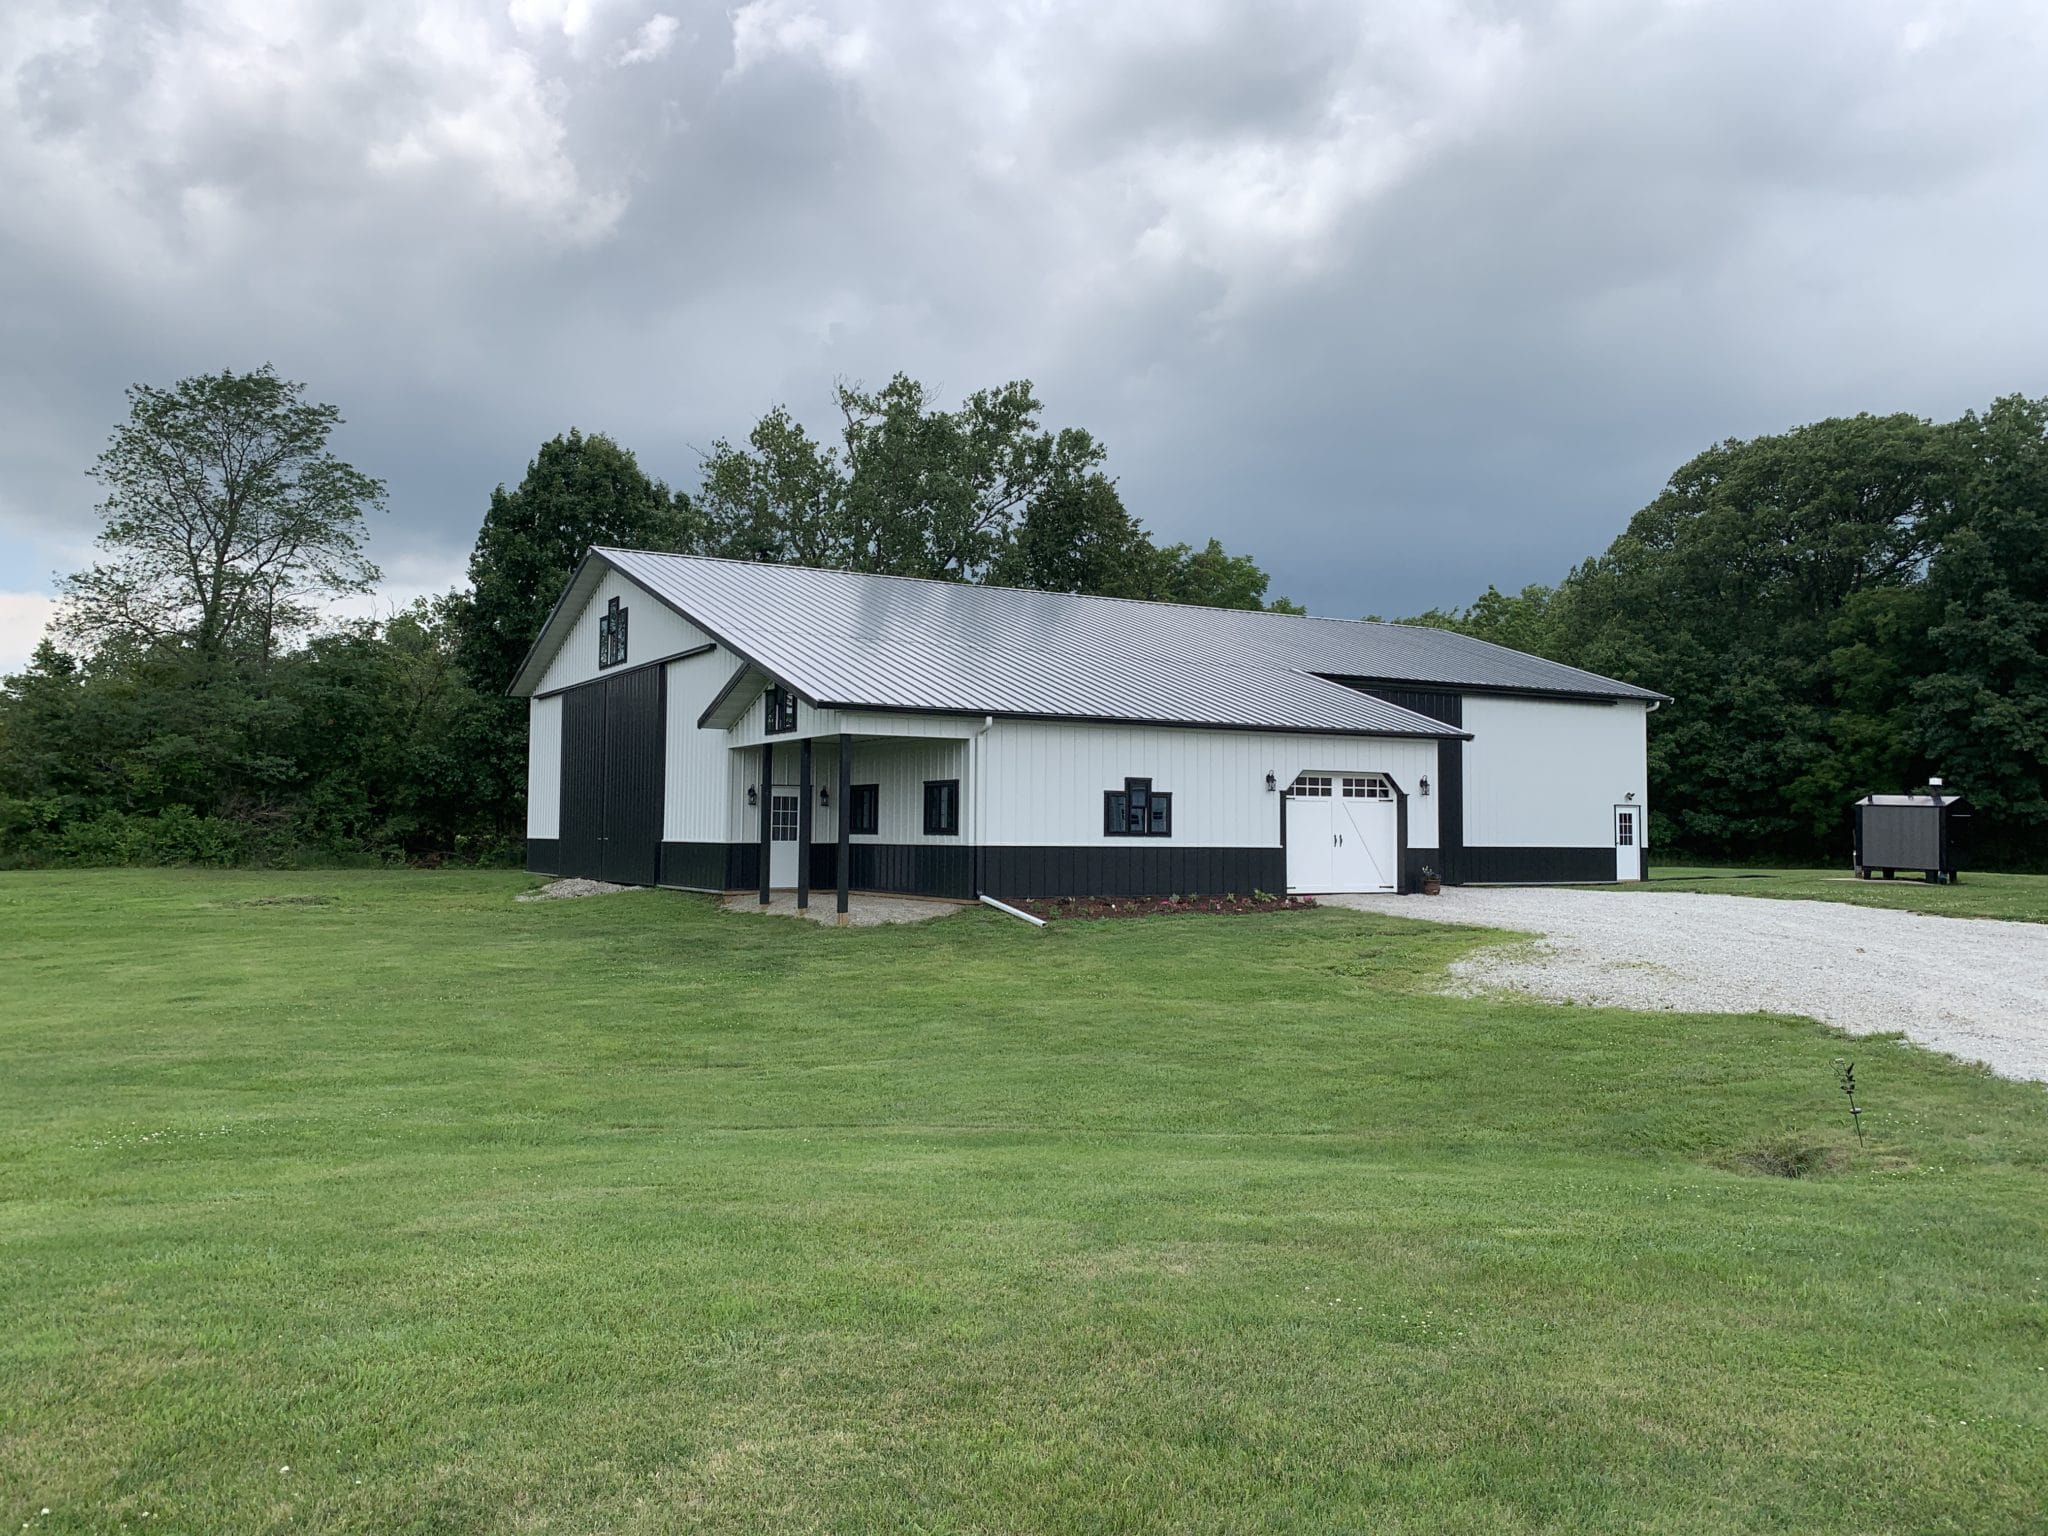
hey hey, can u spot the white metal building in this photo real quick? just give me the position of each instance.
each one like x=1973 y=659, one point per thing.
x=723 y=725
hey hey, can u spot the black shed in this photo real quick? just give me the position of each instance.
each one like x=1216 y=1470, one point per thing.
x=1920 y=832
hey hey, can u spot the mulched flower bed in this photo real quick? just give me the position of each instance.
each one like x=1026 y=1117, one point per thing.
x=1153 y=906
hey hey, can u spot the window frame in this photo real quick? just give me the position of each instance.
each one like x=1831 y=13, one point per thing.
x=864 y=798
x=949 y=824
x=611 y=636
x=1118 y=816
x=780 y=718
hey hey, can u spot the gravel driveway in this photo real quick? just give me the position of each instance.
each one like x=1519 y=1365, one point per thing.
x=1972 y=987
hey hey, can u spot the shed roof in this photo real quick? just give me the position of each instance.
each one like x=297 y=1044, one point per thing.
x=847 y=640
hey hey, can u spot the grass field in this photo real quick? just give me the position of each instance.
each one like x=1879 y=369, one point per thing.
x=2021 y=898
x=628 y=1215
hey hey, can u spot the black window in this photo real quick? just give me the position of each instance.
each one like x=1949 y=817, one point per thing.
x=942 y=807
x=611 y=635
x=1136 y=810
x=781 y=711
x=864 y=809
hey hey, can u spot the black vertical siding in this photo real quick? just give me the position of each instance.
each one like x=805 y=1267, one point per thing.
x=1091 y=870
x=632 y=778
x=582 y=812
x=612 y=769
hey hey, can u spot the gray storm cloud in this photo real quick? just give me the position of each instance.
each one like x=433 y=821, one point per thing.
x=1401 y=299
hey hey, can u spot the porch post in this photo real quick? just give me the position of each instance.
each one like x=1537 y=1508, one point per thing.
x=845 y=819
x=803 y=825
x=767 y=812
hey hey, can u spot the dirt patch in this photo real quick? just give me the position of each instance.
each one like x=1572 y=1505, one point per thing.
x=1156 y=906
x=286 y=901
x=1791 y=1157
x=861 y=911
x=569 y=890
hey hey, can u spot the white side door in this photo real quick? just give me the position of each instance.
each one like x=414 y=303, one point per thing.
x=1311 y=840
x=782 y=845
x=1628 y=843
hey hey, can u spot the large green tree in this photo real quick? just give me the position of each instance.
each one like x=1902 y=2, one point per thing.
x=981 y=492
x=577 y=491
x=227 y=519
x=1979 y=699
x=1845 y=607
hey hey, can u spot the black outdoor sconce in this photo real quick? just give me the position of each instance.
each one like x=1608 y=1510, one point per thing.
x=1423 y=785
x=753 y=795
x=824 y=795
x=1271 y=783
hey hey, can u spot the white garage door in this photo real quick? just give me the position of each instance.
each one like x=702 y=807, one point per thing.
x=1342 y=833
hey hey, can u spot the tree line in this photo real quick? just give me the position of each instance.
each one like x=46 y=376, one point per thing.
x=190 y=705
x=1851 y=606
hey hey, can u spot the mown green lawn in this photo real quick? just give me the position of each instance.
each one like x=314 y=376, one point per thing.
x=628 y=1215
x=2022 y=898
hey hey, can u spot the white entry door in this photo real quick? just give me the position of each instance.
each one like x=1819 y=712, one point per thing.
x=1628 y=843
x=1342 y=833
x=782 y=844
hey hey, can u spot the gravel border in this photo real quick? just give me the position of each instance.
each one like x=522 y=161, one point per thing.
x=1975 y=988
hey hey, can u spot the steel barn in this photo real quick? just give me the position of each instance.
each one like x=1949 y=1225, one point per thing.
x=725 y=725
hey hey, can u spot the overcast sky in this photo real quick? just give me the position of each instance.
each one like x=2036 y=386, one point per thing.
x=1401 y=298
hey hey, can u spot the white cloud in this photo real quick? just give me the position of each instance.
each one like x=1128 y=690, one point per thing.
x=651 y=42
x=23 y=618
x=763 y=30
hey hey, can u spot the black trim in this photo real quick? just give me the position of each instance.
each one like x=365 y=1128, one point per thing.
x=638 y=666
x=1373 y=685
x=767 y=796
x=1132 y=870
x=1539 y=866
x=942 y=820
x=544 y=855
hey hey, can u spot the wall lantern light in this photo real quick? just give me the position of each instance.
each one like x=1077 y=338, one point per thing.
x=1271 y=784
x=753 y=795
x=1629 y=796
x=1423 y=785
x=824 y=795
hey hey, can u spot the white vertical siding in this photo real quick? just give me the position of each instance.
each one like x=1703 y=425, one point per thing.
x=653 y=630
x=1042 y=781
x=899 y=767
x=699 y=786
x=1548 y=773
x=543 y=768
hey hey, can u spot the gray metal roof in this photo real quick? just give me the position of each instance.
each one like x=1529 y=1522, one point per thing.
x=1925 y=801
x=885 y=642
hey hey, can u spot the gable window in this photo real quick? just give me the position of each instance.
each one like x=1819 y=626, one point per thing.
x=864 y=809
x=1137 y=810
x=611 y=635
x=941 y=807
x=781 y=705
